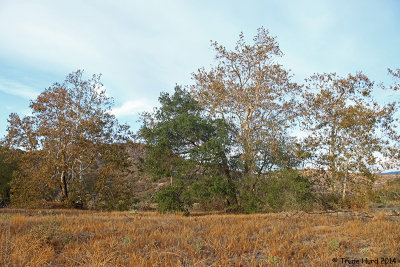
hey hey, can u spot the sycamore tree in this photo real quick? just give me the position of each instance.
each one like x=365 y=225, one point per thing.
x=70 y=139
x=392 y=122
x=345 y=126
x=249 y=89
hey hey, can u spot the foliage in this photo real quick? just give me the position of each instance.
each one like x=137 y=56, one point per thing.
x=214 y=193
x=181 y=142
x=283 y=190
x=388 y=196
x=115 y=195
x=345 y=125
x=172 y=198
x=30 y=184
x=8 y=164
x=253 y=92
x=68 y=137
x=392 y=119
x=227 y=144
x=109 y=186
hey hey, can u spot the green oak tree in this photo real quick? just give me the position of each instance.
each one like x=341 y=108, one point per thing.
x=184 y=144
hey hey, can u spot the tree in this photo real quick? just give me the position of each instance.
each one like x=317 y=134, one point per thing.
x=250 y=90
x=181 y=141
x=186 y=146
x=344 y=123
x=67 y=138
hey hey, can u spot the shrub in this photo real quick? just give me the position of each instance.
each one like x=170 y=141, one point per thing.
x=214 y=192
x=388 y=196
x=113 y=193
x=6 y=169
x=329 y=201
x=278 y=191
x=30 y=192
x=173 y=198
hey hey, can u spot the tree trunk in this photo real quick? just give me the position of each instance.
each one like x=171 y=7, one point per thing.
x=64 y=186
x=333 y=155
x=248 y=153
x=344 y=186
x=225 y=166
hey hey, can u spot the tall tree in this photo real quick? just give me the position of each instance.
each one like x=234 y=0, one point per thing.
x=250 y=89
x=344 y=123
x=71 y=128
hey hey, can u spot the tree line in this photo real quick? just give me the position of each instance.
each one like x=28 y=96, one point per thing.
x=243 y=137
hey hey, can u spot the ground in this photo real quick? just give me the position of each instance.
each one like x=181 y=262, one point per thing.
x=87 y=238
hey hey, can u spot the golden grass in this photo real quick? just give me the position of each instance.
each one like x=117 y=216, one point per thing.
x=85 y=238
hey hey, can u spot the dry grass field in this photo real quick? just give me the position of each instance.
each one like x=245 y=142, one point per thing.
x=86 y=238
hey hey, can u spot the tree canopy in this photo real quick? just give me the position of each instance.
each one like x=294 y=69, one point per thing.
x=182 y=141
x=71 y=130
x=249 y=89
x=344 y=125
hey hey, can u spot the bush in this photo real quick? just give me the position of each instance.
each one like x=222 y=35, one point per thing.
x=214 y=193
x=278 y=191
x=388 y=196
x=329 y=201
x=173 y=198
x=30 y=192
x=8 y=164
x=110 y=193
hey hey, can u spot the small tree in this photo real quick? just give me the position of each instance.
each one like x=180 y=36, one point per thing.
x=344 y=123
x=68 y=135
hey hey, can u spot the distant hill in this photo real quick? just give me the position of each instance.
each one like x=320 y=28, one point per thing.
x=390 y=173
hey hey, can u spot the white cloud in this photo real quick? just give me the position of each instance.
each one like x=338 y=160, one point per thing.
x=132 y=107
x=17 y=89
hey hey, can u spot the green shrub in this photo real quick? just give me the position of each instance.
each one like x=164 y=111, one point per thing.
x=173 y=198
x=278 y=191
x=214 y=192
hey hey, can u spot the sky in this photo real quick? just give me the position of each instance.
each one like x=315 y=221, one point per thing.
x=143 y=48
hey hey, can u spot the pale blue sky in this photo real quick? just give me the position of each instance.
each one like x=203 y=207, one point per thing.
x=145 y=47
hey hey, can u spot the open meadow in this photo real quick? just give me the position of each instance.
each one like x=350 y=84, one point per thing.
x=87 y=238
